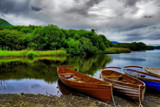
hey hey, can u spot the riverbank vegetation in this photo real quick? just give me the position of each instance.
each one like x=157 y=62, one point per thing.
x=114 y=50
x=134 y=46
x=51 y=37
x=31 y=53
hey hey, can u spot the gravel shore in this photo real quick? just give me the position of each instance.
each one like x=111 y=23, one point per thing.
x=31 y=100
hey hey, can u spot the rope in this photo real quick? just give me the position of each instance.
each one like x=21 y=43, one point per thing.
x=140 y=103
x=113 y=100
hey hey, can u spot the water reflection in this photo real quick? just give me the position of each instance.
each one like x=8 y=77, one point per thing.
x=39 y=75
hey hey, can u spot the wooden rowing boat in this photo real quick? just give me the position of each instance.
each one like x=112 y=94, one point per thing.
x=131 y=87
x=155 y=71
x=85 y=84
x=151 y=80
x=138 y=68
x=66 y=90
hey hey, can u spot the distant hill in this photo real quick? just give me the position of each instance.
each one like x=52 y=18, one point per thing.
x=4 y=22
x=115 y=42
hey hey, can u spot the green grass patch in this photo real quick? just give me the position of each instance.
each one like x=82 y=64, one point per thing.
x=114 y=50
x=31 y=53
x=32 y=60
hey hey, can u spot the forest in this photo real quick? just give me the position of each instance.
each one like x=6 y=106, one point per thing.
x=134 y=46
x=52 y=37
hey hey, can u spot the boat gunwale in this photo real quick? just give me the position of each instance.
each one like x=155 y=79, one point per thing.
x=125 y=76
x=142 y=78
x=133 y=66
x=148 y=70
x=102 y=84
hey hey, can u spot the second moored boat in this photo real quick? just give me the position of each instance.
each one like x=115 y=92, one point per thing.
x=124 y=84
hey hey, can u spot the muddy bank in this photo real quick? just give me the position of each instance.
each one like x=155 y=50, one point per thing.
x=30 y=100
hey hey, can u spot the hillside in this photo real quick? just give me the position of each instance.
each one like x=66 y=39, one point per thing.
x=4 y=22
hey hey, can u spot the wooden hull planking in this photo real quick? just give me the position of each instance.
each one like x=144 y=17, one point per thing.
x=100 y=90
x=133 y=91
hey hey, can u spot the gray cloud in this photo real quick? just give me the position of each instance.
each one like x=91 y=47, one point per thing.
x=36 y=8
x=146 y=16
x=119 y=20
x=83 y=9
x=10 y=6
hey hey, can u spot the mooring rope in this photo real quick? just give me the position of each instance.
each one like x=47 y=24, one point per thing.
x=140 y=103
x=113 y=100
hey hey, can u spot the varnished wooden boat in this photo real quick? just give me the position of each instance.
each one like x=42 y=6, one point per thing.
x=138 y=68
x=155 y=71
x=66 y=90
x=85 y=84
x=151 y=80
x=131 y=87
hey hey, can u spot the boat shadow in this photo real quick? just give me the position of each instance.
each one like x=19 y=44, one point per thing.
x=66 y=90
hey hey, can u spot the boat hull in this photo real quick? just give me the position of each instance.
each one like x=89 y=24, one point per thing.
x=103 y=93
x=154 y=71
x=128 y=86
x=134 y=92
x=153 y=85
x=91 y=86
x=151 y=80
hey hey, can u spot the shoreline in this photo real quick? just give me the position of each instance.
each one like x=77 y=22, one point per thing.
x=35 y=53
x=37 y=100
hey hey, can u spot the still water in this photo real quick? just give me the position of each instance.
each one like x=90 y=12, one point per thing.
x=39 y=75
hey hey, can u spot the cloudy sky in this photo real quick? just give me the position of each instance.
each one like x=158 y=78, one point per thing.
x=118 y=20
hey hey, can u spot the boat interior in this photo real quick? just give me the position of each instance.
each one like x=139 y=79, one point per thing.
x=115 y=76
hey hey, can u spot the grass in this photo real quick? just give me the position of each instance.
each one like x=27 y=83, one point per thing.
x=28 y=60
x=32 y=53
x=114 y=50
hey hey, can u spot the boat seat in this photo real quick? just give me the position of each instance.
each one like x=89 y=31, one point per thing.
x=68 y=76
x=138 y=75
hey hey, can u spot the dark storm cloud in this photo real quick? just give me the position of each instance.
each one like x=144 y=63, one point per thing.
x=119 y=20
x=83 y=10
x=131 y=27
x=147 y=16
x=139 y=37
x=11 y=6
x=36 y=8
x=134 y=37
x=131 y=2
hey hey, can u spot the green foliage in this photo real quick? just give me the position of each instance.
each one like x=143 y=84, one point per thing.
x=149 y=47
x=4 y=23
x=114 y=50
x=52 y=38
x=31 y=53
x=134 y=46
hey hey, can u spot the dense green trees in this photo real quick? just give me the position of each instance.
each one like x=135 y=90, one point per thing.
x=4 y=22
x=134 y=46
x=52 y=38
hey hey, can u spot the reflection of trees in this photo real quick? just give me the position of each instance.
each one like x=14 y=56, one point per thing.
x=89 y=65
x=43 y=69
x=46 y=69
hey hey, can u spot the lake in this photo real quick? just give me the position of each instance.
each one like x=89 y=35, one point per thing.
x=39 y=75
